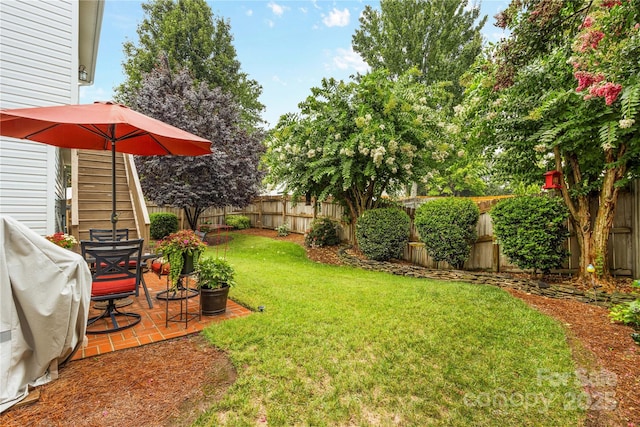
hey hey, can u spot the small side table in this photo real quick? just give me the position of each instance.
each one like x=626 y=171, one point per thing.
x=183 y=294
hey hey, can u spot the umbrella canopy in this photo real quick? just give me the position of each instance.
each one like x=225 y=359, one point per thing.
x=101 y=126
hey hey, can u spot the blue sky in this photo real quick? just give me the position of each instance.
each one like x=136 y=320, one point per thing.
x=286 y=46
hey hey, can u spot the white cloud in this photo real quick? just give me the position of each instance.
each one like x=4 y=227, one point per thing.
x=276 y=8
x=90 y=94
x=249 y=12
x=495 y=36
x=270 y=23
x=347 y=59
x=304 y=10
x=337 y=18
x=278 y=80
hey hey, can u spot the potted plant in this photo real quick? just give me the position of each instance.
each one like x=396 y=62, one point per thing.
x=215 y=277
x=63 y=240
x=182 y=249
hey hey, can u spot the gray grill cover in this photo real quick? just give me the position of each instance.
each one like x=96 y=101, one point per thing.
x=45 y=292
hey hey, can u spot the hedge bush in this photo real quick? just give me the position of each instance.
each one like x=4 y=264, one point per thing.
x=162 y=224
x=323 y=232
x=532 y=231
x=239 y=222
x=448 y=228
x=383 y=233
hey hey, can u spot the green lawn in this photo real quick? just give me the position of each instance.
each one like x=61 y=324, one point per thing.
x=342 y=346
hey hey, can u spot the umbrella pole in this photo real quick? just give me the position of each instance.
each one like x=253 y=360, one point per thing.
x=114 y=215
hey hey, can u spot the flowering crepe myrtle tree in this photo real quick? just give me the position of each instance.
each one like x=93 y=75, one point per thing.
x=563 y=93
x=229 y=176
x=356 y=141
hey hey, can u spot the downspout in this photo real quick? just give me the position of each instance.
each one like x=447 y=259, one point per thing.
x=75 y=216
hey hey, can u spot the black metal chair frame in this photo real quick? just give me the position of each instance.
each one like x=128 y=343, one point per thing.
x=104 y=235
x=111 y=261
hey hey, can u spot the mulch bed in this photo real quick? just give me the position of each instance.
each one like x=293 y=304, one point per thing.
x=172 y=382
x=165 y=383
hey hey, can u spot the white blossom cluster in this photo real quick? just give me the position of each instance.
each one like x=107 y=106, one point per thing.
x=378 y=155
x=393 y=146
x=606 y=146
x=626 y=123
x=441 y=151
x=346 y=151
x=363 y=121
x=452 y=128
x=429 y=176
x=311 y=153
x=409 y=150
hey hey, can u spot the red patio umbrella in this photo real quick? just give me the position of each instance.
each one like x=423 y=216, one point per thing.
x=101 y=126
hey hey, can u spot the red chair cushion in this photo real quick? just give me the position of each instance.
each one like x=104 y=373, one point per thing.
x=132 y=263
x=156 y=266
x=116 y=286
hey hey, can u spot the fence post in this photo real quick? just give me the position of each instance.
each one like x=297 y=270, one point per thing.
x=496 y=257
x=635 y=229
x=284 y=208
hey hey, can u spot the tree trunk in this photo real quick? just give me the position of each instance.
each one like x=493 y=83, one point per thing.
x=193 y=213
x=581 y=222
x=592 y=236
x=604 y=221
x=353 y=215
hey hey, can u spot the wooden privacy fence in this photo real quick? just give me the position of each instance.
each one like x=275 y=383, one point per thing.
x=273 y=211
x=270 y=212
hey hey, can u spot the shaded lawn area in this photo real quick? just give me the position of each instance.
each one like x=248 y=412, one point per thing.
x=340 y=346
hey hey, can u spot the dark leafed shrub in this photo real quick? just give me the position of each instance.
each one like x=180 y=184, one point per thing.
x=532 y=230
x=383 y=233
x=323 y=232
x=447 y=227
x=162 y=224
x=239 y=222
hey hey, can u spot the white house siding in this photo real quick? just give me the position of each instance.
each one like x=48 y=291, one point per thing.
x=38 y=67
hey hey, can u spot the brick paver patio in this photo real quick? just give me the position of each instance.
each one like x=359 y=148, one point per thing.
x=152 y=327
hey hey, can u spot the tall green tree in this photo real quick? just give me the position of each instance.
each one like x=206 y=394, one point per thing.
x=563 y=93
x=356 y=141
x=188 y=34
x=441 y=38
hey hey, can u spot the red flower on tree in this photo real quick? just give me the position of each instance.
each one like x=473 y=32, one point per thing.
x=590 y=40
x=586 y=79
x=588 y=22
x=609 y=91
x=611 y=3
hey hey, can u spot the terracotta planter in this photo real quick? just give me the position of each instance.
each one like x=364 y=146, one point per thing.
x=162 y=269
x=213 y=301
